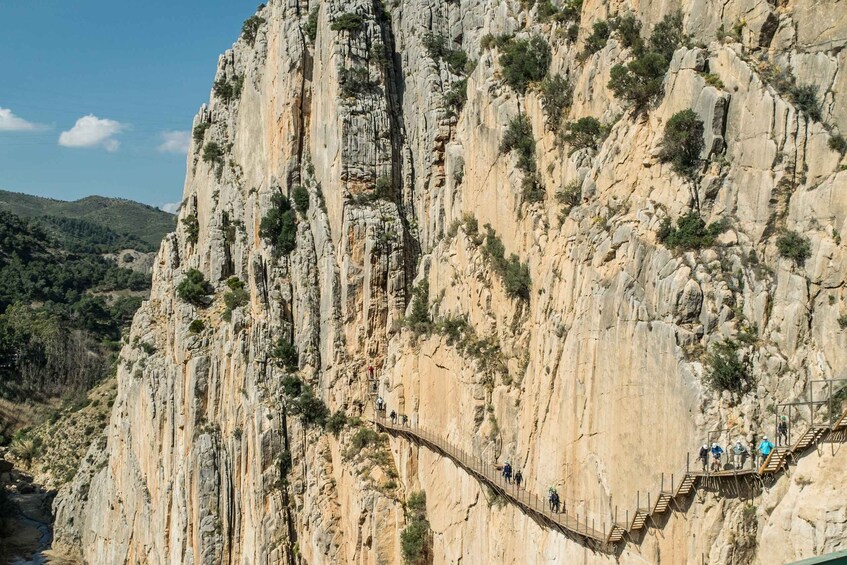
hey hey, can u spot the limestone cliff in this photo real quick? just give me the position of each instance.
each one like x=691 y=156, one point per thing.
x=592 y=379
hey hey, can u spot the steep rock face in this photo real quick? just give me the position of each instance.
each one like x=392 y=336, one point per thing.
x=593 y=382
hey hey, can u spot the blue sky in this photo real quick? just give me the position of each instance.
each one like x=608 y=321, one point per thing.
x=90 y=90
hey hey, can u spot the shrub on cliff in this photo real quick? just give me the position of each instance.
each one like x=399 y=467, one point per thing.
x=518 y=138
x=436 y=45
x=683 y=142
x=355 y=81
x=199 y=132
x=805 y=96
x=228 y=90
x=250 y=29
x=513 y=273
x=690 y=233
x=213 y=153
x=311 y=27
x=348 y=22
x=194 y=288
x=279 y=226
x=838 y=143
x=236 y=297
x=597 y=40
x=557 y=96
x=524 y=61
x=196 y=326
x=585 y=133
x=300 y=196
x=419 y=320
x=336 y=423
x=286 y=355
x=192 y=228
x=414 y=538
x=628 y=30
x=312 y=409
x=640 y=81
x=725 y=369
x=794 y=246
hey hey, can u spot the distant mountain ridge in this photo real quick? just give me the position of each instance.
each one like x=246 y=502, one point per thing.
x=121 y=222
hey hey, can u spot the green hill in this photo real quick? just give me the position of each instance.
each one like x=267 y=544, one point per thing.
x=107 y=224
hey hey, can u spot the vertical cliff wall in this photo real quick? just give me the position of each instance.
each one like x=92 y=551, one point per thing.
x=592 y=379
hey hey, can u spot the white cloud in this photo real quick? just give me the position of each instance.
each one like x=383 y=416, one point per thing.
x=172 y=207
x=11 y=122
x=175 y=142
x=91 y=131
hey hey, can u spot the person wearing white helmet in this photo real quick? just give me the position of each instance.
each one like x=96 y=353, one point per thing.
x=765 y=447
x=717 y=451
x=704 y=457
x=739 y=452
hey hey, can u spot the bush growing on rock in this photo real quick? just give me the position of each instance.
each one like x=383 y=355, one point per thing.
x=683 y=142
x=805 y=96
x=419 y=320
x=585 y=133
x=227 y=90
x=300 y=196
x=192 y=228
x=355 y=81
x=838 y=143
x=279 y=226
x=518 y=138
x=569 y=197
x=667 y=36
x=291 y=386
x=199 y=132
x=194 y=288
x=600 y=33
x=312 y=409
x=236 y=297
x=196 y=326
x=348 y=22
x=557 y=97
x=690 y=233
x=794 y=246
x=213 y=153
x=456 y=97
x=524 y=61
x=628 y=30
x=725 y=368
x=286 y=355
x=336 y=423
x=513 y=273
x=250 y=29
x=414 y=538
x=436 y=45
x=640 y=81
x=311 y=28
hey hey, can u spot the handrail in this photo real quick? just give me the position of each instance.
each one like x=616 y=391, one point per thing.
x=609 y=531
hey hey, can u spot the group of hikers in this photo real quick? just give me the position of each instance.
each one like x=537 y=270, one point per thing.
x=739 y=451
x=553 y=499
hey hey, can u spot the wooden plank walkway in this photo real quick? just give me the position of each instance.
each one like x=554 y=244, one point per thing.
x=601 y=535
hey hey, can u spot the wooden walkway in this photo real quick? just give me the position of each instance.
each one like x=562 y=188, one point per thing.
x=608 y=534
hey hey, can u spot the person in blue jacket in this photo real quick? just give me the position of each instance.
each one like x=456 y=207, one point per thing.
x=765 y=447
x=717 y=451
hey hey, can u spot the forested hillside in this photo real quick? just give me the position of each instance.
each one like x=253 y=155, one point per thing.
x=62 y=308
x=95 y=222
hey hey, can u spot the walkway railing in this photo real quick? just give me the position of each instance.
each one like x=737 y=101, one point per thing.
x=605 y=533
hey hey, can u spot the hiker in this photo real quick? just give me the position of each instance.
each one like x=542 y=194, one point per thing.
x=704 y=457
x=717 y=451
x=739 y=453
x=507 y=472
x=765 y=447
x=380 y=404
x=393 y=417
x=518 y=478
x=782 y=432
x=405 y=420
x=370 y=372
x=551 y=497
x=556 y=502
